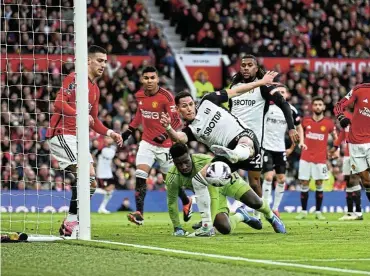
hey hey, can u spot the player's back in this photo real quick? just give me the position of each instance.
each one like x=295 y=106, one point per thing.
x=360 y=124
x=316 y=139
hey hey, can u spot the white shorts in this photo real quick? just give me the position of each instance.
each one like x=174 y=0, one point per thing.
x=64 y=150
x=308 y=170
x=148 y=154
x=346 y=166
x=359 y=157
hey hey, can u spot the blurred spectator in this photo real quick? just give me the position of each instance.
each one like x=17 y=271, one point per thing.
x=202 y=84
x=125 y=206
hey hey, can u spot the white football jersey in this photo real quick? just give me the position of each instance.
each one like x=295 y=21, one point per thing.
x=104 y=166
x=214 y=125
x=275 y=127
x=250 y=108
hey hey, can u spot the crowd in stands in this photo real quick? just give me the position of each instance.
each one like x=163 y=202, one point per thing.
x=123 y=27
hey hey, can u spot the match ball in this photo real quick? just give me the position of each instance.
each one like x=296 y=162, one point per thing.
x=218 y=174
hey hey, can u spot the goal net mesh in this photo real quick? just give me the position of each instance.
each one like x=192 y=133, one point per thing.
x=37 y=52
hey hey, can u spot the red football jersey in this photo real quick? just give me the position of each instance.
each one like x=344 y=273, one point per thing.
x=148 y=115
x=343 y=136
x=63 y=120
x=359 y=132
x=316 y=138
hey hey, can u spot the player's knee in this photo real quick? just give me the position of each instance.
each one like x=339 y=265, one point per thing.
x=269 y=176
x=280 y=178
x=222 y=223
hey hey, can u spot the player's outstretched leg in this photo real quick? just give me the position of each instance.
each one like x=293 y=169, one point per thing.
x=140 y=192
x=70 y=222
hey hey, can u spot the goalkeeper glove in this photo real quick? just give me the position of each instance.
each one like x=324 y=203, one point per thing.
x=179 y=232
x=160 y=138
x=344 y=121
x=127 y=133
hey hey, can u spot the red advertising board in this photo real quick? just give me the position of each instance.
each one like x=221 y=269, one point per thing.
x=44 y=61
x=358 y=65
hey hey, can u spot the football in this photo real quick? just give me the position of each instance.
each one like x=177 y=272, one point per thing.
x=218 y=174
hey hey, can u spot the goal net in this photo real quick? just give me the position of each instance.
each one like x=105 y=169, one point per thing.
x=38 y=50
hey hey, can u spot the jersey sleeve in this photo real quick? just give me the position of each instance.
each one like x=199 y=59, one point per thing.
x=173 y=186
x=98 y=125
x=296 y=117
x=331 y=126
x=170 y=108
x=189 y=134
x=348 y=99
x=61 y=102
x=136 y=122
x=218 y=97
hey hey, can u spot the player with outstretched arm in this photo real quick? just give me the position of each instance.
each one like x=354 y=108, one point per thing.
x=62 y=131
x=230 y=140
x=152 y=101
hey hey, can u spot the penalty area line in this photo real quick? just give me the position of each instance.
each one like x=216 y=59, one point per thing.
x=223 y=257
x=326 y=260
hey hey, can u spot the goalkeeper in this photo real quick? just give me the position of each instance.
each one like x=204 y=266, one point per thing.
x=186 y=166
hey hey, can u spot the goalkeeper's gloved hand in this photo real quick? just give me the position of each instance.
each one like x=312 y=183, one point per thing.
x=160 y=138
x=127 y=133
x=179 y=232
x=344 y=121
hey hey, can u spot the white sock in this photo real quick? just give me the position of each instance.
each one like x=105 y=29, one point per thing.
x=243 y=151
x=279 y=192
x=203 y=199
x=257 y=214
x=106 y=199
x=266 y=190
x=71 y=217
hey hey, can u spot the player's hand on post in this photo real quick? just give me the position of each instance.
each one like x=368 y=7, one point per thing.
x=91 y=120
x=179 y=232
x=268 y=78
x=165 y=120
x=344 y=121
x=294 y=136
x=302 y=146
x=117 y=138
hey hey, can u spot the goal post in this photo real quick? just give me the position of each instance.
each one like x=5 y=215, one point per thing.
x=37 y=44
x=82 y=99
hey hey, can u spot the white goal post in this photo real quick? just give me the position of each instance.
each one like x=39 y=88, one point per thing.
x=27 y=209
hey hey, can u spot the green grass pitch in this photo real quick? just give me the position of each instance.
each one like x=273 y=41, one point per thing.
x=330 y=244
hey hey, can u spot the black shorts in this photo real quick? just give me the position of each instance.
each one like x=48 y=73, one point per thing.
x=254 y=164
x=105 y=182
x=274 y=160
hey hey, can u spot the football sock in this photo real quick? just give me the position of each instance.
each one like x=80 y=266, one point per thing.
x=279 y=193
x=243 y=151
x=73 y=202
x=356 y=195
x=234 y=220
x=107 y=197
x=203 y=199
x=368 y=193
x=184 y=198
x=319 y=197
x=349 y=199
x=140 y=190
x=266 y=190
x=265 y=209
x=304 y=197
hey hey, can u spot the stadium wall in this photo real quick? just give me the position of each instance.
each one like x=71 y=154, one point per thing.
x=155 y=201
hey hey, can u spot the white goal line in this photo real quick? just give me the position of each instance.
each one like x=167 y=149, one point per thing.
x=215 y=256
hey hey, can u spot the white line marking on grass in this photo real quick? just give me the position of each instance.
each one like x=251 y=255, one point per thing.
x=215 y=256
x=326 y=260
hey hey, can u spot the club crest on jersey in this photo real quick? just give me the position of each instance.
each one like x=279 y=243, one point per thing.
x=323 y=128
x=154 y=104
x=70 y=88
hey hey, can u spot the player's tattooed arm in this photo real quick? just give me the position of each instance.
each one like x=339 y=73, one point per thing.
x=268 y=79
x=175 y=136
